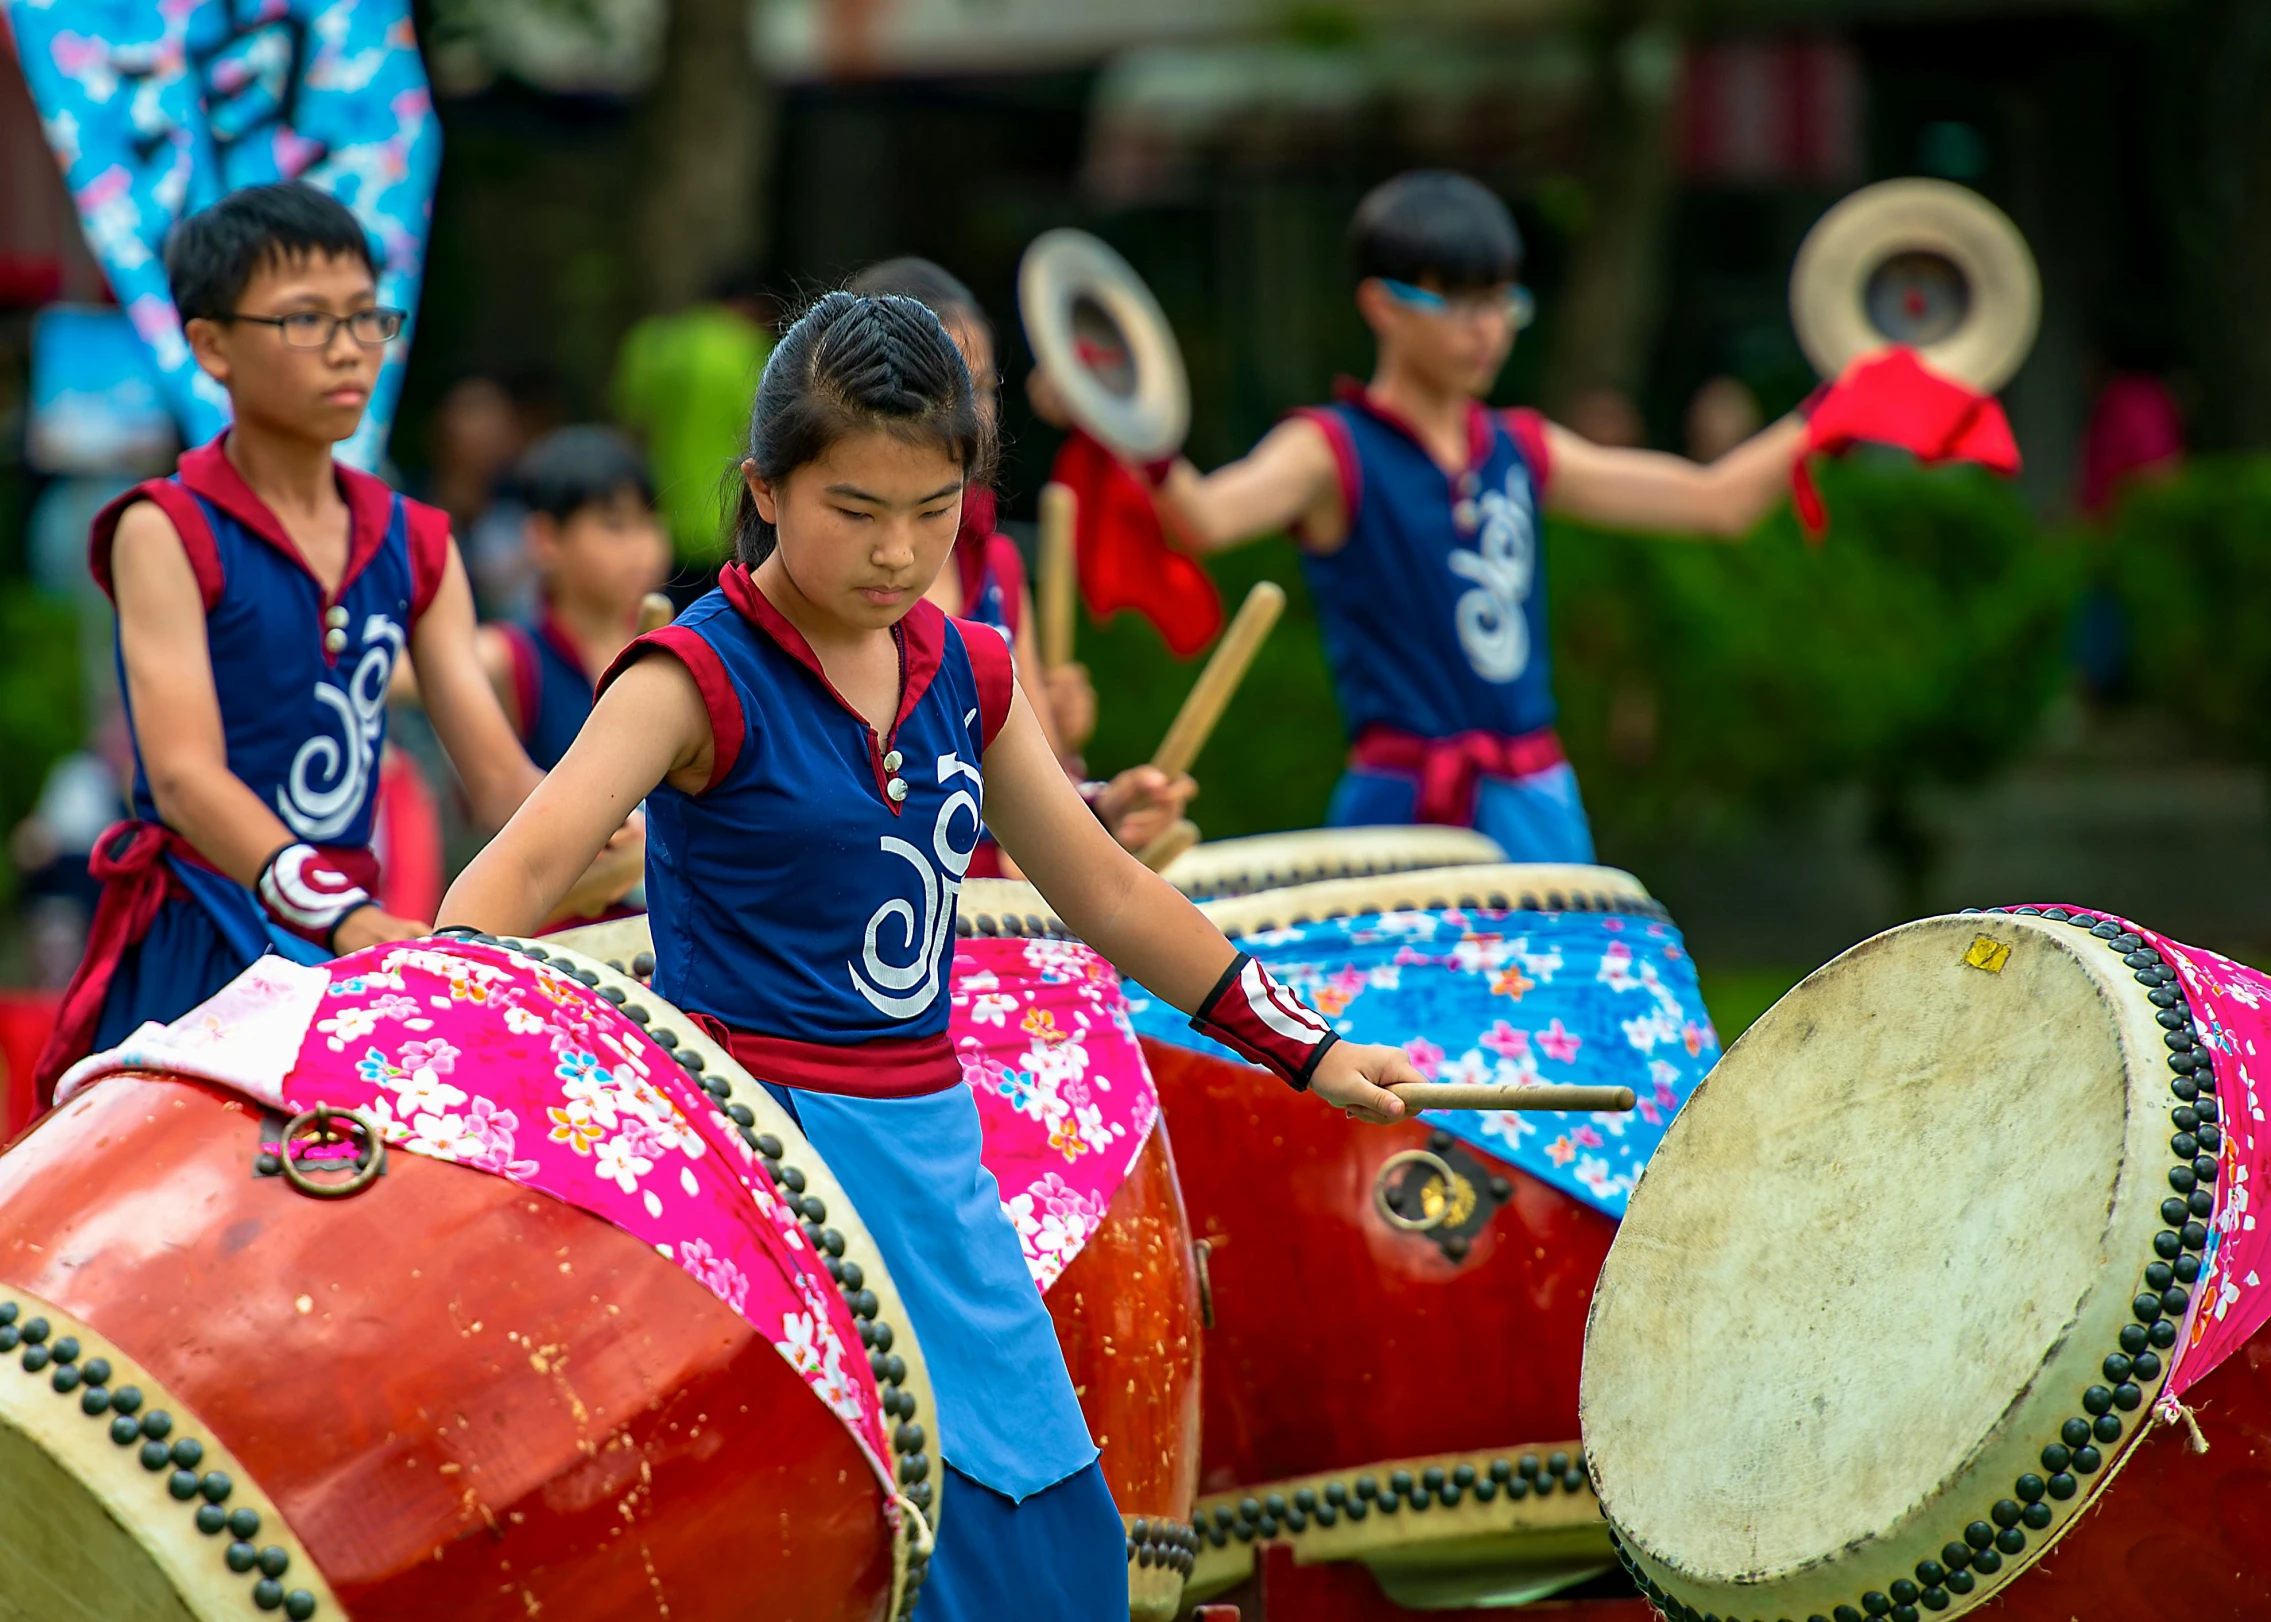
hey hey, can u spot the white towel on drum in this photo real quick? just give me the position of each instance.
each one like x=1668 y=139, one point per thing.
x=246 y=1036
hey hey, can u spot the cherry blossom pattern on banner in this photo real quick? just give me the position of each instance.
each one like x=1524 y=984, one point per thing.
x=481 y=1057
x=1064 y=1097
x=158 y=108
x=1532 y=998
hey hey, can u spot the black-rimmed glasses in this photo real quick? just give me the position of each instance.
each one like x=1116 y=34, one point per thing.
x=314 y=329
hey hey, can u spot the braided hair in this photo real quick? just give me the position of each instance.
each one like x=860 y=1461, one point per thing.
x=853 y=365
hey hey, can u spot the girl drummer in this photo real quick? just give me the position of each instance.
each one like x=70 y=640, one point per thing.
x=813 y=752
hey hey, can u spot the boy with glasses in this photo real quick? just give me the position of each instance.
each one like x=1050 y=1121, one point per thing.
x=1417 y=511
x=264 y=595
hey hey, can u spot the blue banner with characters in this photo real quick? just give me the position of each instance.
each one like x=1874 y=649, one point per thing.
x=1582 y=998
x=155 y=108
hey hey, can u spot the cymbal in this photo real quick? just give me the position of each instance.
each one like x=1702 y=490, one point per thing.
x=1922 y=263
x=1105 y=343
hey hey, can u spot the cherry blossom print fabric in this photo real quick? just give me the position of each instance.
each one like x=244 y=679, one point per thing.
x=1066 y=1101
x=477 y=1056
x=1532 y=998
x=2231 y=1008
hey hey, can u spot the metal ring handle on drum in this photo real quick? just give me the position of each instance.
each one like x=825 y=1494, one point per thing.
x=1413 y=1157
x=912 y=1543
x=321 y=1118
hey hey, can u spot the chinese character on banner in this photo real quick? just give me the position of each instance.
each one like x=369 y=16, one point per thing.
x=155 y=108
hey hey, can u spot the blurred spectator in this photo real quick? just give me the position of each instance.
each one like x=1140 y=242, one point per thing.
x=683 y=384
x=1722 y=415
x=1606 y=415
x=475 y=434
x=83 y=795
x=2135 y=431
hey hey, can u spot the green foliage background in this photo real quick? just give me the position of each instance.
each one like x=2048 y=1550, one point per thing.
x=1700 y=685
x=39 y=701
x=2190 y=557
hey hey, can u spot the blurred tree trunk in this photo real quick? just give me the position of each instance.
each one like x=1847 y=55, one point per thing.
x=2215 y=158
x=707 y=146
x=1610 y=298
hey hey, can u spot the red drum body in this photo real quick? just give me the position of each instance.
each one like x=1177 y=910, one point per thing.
x=464 y=1399
x=230 y=1384
x=1069 y=1108
x=1398 y=1312
x=1127 y=1315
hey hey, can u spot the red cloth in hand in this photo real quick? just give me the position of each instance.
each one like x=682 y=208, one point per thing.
x=1892 y=398
x=1125 y=561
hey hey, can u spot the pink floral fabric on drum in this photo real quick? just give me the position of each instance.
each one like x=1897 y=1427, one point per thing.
x=2231 y=1007
x=492 y=1061
x=1041 y=1028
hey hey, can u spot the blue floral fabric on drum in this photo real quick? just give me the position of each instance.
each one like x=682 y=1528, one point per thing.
x=1583 y=998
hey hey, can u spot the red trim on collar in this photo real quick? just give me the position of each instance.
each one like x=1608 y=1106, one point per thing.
x=208 y=472
x=527 y=679
x=728 y=726
x=188 y=520
x=1528 y=428
x=1346 y=466
x=1479 y=427
x=556 y=638
x=921 y=636
x=429 y=552
x=996 y=671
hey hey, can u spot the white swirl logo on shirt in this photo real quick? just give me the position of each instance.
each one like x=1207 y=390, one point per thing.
x=1493 y=628
x=331 y=776
x=903 y=990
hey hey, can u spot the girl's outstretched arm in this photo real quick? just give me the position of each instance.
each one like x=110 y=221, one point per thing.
x=1135 y=917
x=648 y=725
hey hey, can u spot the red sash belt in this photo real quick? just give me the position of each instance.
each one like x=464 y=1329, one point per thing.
x=129 y=859
x=1449 y=768
x=911 y=1068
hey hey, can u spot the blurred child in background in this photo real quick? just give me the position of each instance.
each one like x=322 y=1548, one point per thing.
x=596 y=546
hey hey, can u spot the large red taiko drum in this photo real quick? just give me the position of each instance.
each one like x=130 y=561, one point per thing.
x=1391 y=1371
x=445 y=1394
x=1947 y=1293
x=1040 y=1020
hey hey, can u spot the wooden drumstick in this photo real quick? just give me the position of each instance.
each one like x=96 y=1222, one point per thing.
x=1060 y=511
x=1210 y=694
x=1178 y=837
x=655 y=611
x=1419 y=1095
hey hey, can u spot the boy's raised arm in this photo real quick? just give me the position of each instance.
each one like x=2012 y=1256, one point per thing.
x=1620 y=488
x=1288 y=481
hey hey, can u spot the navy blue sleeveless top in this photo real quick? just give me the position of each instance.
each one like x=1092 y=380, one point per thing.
x=301 y=675
x=800 y=894
x=1433 y=610
x=551 y=689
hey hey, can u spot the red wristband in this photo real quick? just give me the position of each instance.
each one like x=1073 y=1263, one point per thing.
x=1251 y=1012
x=309 y=893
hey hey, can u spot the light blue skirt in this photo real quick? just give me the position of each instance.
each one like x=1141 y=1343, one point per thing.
x=1007 y=1417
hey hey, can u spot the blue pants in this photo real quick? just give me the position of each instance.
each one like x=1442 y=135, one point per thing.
x=1060 y=1555
x=1538 y=818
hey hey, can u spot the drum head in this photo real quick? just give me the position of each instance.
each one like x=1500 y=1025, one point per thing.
x=1921 y=263
x=1105 y=343
x=1494 y=886
x=1223 y=867
x=1874 y=1267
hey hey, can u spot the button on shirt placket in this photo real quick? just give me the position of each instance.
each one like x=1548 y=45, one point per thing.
x=334 y=633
